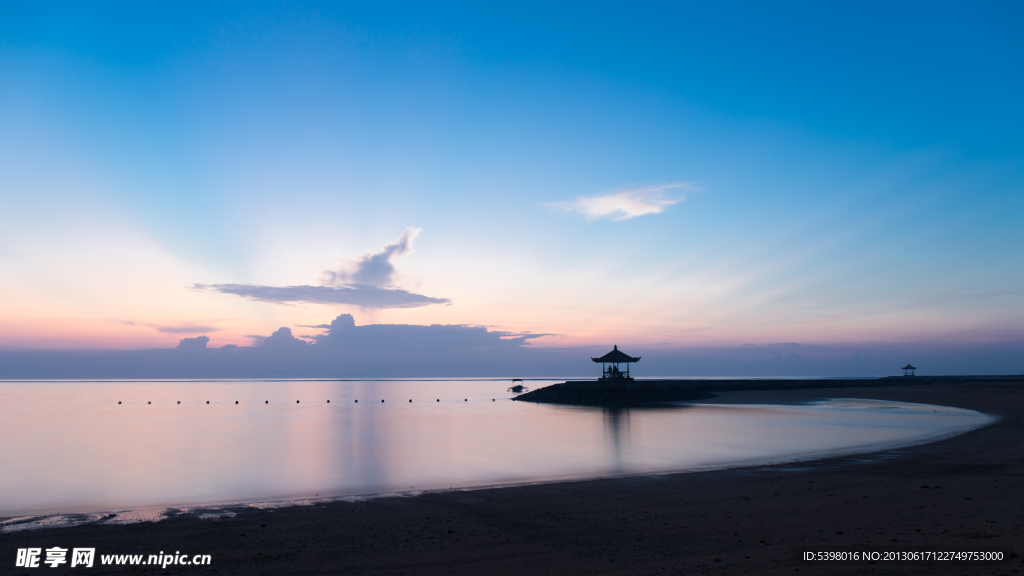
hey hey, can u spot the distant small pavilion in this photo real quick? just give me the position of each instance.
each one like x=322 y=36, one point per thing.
x=610 y=366
x=908 y=368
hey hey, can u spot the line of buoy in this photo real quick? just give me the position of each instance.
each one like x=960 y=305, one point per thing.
x=297 y=401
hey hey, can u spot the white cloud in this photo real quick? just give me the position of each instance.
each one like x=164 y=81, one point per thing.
x=626 y=204
x=367 y=282
x=374 y=269
x=358 y=295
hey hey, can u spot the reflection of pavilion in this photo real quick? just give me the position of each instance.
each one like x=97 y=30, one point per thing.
x=610 y=366
x=616 y=429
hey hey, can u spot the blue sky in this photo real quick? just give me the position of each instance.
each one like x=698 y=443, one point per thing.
x=819 y=173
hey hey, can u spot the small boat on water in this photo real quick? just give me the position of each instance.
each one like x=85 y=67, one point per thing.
x=517 y=388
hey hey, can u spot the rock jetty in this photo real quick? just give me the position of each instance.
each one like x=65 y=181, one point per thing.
x=655 y=392
x=635 y=393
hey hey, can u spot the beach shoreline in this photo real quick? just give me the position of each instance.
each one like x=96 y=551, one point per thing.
x=737 y=520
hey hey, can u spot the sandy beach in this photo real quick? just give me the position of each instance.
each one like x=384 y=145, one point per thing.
x=959 y=494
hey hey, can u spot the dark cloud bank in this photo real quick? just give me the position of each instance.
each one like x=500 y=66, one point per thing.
x=343 y=350
x=337 y=350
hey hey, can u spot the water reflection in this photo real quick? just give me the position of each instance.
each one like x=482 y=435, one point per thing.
x=616 y=428
x=252 y=441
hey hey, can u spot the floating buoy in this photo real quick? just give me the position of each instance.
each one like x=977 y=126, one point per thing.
x=296 y=401
x=357 y=401
x=465 y=399
x=207 y=401
x=118 y=401
x=266 y=401
x=410 y=400
x=236 y=401
x=148 y=402
x=437 y=400
x=328 y=401
x=381 y=401
x=492 y=399
x=179 y=401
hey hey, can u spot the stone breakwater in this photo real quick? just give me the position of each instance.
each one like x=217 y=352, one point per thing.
x=654 y=392
x=636 y=393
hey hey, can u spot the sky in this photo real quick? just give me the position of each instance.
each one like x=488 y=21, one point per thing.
x=662 y=176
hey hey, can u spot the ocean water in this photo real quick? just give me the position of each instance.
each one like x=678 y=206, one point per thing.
x=95 y=446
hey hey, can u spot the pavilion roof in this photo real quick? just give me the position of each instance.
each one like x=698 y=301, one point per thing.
x=616 y=356
x=908 y=367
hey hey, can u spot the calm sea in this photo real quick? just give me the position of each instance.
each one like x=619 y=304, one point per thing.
x=96 y=446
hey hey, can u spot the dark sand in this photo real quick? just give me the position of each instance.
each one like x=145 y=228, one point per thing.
x=746 y=521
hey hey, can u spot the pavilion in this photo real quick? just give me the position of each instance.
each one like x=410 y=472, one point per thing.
x=610 y=366
x=908 y=368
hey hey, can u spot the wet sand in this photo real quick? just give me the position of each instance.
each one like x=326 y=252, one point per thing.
x=964 y=493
